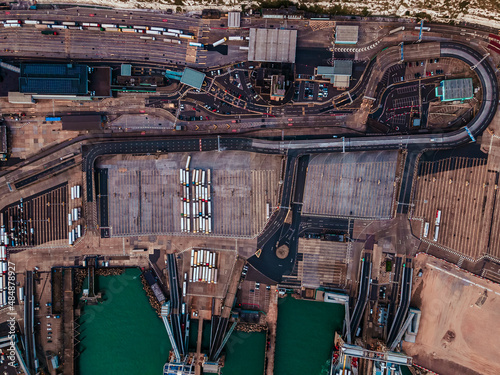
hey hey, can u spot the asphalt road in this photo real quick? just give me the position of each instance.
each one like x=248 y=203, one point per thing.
x=404 y=302
x=364 y=284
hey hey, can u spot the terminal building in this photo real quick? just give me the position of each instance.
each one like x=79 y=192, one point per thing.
x=346 y=34
x=61 y=81
x=455 y=89
x=339 y=74
x=192 y=78
x=272 y=45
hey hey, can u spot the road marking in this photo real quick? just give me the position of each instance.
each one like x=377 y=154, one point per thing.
x=463 y=279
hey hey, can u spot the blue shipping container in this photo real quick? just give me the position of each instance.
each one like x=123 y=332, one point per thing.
x=52 y=119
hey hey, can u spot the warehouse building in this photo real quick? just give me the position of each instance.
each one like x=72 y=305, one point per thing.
x=346 y=34
x=272 y=45
x=192 y=78
x=82 y=122
x=54 y=79
x=61 y=81
x=339 y=74
x=455 y=89
x=233 y=20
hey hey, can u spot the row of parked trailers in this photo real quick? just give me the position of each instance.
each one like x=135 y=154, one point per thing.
x=437 y=222
x=196 y=209
x=3 y=278
x=100 y=27
x=203 y=266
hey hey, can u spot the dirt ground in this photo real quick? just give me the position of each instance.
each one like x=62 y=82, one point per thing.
x=459 y=331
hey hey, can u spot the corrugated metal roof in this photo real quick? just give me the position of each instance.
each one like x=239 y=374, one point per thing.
x=126 y=70
x=63 y=79
x=325 y=70
x=192 y=78
x=457 y=89
x=273 y=45
x=81 y=122
x=346 y=34
x=233 y=19
x=342 y=67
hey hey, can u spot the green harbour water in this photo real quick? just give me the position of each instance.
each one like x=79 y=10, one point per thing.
x=305 y=334
x=124 y=336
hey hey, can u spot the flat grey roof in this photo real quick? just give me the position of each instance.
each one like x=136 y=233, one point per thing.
x=193 y=78
x=342 y=67
x=62 y=79
x=346 y=34
x=455 y=89
x=233 y=19
x=272 y=45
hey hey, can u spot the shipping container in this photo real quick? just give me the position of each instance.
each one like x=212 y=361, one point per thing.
x=90 y=24
x=153 y=32
x=183 y=309
x=148 y=37
x=2 y=252
x=187 y=163
x=31 y=22
x=185 y=36
x=215 y=275
x=243 y=48
x=184 y=288
x=12 y=25
x=171 y=34
x=72 y=192
x=208 y=176
x=195 y=44
x=69 y=23
x=21 y=294
x=436 y=233
x=175 y=31
x=220 y=41
x=128 y=31
x=49 y=22
x=191 y=274
x=236 y=38
x=69 y=219
x=109 y=26
x=438 y=217
x=141 y=27
x=78 y=191
x=79 y=230
x=426 y=230
x=12 y=21
x=158 y=29
x=209 y=278
x=58 y=26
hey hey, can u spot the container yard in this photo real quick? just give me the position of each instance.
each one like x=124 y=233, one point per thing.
x=203 y=266
x=196 y=210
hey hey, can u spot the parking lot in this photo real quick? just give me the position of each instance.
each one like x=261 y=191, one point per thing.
x=145 y=192
x=360 y=184
x=322 y=263
x=39 y=219
x=464 y=190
